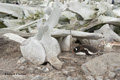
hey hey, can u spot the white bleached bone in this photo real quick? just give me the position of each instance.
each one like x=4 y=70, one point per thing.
x=50 y=44
x=42 y=47
x=18 y=10
x=78 y=34
x=82 y=9
x=32 y=49
x=117 y=12
x=14 y=37
x=108 y=33
x=102 y=20
x=65 y=43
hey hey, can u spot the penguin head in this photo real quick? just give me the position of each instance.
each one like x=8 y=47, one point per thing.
x=77 y=49
x=81 y=49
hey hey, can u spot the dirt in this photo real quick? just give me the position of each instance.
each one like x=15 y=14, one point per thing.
x=10 y=54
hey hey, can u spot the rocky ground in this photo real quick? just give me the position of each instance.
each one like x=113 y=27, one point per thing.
x=13 y=66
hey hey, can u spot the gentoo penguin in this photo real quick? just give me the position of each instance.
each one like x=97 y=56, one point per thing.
x=85 y=49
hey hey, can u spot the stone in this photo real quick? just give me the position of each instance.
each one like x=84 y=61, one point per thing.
x=111 y=75
x=117 y=71
x=102 y=64
x=30 y=70
x=69 y=78
x=90 y=78
x=38 y=77
x=18 y=77
x=4 y=77
x=65 y=72
x=106 y=78
x=78 y=78
x=22 y=67
x=44 y=69
x=45 y=78
x=99 y=77
x=74 y=78
x=21 y=61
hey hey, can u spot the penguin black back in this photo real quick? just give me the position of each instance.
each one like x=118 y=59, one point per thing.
x=90 y=48
x=82 y=48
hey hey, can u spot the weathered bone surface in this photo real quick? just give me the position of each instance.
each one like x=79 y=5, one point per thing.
x=60 y=33
x=117 y=12
x=14 y=37
x=108 y=33
x=81 y=34
x=32 y=49
x=17 y=10
x=102 y=20
x=57 y=33
x=78 y=34
x=26 y=25
x=12 y=23
x=51 y=45
x=68 y=14
x=65 y=43
x=104 y=43
x=6 y=30
x=112 y=47
x=42 y=47
x=81 y=9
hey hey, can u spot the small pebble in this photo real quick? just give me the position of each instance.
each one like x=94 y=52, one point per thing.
x=22 y=67
x=21 y=61
x=65 y=72
x=38 y=77
x=74 y=78
x=99 y=77
x=44 y=69
x=90 y=78
x=18 y=77
x=69 y=78
x=106 y=78
x=117 y=71
x=111 y=75
x=30 y=70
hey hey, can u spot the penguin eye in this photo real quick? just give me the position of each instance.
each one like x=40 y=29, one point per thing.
x=76 y=49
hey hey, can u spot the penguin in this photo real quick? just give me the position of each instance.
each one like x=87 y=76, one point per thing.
x=85 y=49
